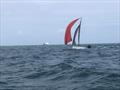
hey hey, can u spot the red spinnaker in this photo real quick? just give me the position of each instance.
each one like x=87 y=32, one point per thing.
x=68 y=38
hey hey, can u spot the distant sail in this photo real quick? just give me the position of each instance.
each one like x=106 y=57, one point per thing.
x=68 y=38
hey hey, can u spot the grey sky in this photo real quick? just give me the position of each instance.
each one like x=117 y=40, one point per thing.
x=38 y=21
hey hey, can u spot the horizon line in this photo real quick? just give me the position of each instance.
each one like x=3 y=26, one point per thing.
x=57 y=44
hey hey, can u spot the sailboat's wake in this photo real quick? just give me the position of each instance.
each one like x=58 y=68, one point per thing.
x=78 y=47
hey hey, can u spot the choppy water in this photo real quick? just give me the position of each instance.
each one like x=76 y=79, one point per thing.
x=60 y=68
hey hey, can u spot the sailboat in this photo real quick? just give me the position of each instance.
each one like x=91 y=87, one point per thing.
x=68 y=38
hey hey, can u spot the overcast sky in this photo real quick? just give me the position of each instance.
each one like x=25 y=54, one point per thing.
x=33 y=22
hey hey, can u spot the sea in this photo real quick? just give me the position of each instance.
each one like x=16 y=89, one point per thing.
x=59 y=67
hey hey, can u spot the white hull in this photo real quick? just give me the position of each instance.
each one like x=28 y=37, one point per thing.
x=78 y=47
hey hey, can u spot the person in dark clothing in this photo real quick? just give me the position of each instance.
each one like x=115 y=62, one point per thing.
x=89 y=46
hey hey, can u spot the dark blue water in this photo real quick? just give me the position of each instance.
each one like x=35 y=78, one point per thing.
x=58 y=67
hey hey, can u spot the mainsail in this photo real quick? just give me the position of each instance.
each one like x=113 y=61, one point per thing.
x=68 y=38
x=75 y=34
x=77 y=31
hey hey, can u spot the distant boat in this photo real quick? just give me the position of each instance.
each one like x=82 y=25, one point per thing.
x=46 y=43
x=68 y=37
